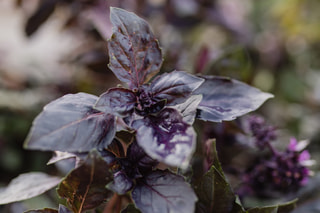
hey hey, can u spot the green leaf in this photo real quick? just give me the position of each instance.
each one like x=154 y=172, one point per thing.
x=214 y=192
x=84 y=188
x=27 y=186
x=281 y=208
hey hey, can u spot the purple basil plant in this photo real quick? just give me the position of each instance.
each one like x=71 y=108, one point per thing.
x=131 y=139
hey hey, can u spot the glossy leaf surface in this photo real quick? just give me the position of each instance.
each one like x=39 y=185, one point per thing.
x=26 y=186
x=175 y=87
x=84 y=187
x=225 y=99
x=164 y=192
x=70 y=124
x=166 y=137
x=119 y=101
x=134 y=52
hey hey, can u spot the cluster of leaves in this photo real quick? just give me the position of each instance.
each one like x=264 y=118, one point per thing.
x=121 y=139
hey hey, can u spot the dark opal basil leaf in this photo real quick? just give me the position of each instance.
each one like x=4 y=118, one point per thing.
x=225 y=99
x=164 y=192
x=143 y=162
x=119 y=101
x=131 y=209
x=134 y=52
x=70 y=124
x=46 y=210
x=26 y=186
x=166 y=137
x=188 y=109
x=84 y=187
x=175 y=87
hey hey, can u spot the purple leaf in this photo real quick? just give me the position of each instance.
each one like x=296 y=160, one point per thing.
x=134 y=52
x=27 y=186
x=164 y=192
x=224 y=99
x=175 y=87
x=84 y=187
x=119 y=101
x=166 y=137
x=70 y=124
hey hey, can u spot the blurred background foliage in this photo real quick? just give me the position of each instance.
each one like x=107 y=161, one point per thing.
x=49 y=48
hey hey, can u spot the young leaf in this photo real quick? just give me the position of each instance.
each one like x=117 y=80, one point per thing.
x=163 y=191
x=166 y=137
x=119 y=101
x=70 y=124
x=134 y=52
x=121 y=183
x=27 y=186
x=84 y=187
x=224 y=99
x=175 y=87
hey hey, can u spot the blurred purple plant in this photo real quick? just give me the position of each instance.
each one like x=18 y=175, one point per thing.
x=282 y=172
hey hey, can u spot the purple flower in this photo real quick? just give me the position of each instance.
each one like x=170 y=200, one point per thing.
x=282 y=172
